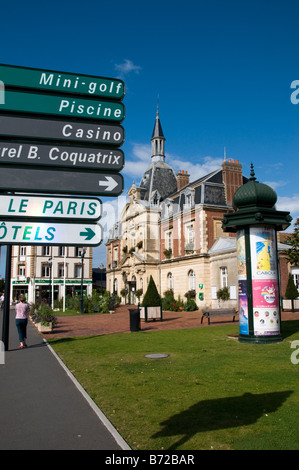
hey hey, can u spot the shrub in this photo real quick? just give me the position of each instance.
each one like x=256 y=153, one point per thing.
x=291 y=290
x=42 y=313
x=190 y=306
x=152 y=297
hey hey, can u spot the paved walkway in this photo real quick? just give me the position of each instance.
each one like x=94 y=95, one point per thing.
x=42 y=406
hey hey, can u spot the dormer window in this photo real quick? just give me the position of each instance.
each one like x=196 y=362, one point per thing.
x=189 y=198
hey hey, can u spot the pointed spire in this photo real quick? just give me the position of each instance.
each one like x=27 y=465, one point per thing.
x=157 y=132
x=158 y=139
x=252 y=174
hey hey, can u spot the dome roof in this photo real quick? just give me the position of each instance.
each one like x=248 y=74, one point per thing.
x=254 y=193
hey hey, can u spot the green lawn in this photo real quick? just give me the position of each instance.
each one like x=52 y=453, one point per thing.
x=212 y=392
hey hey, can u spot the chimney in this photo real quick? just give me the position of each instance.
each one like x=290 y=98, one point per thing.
x=182 y=179
x=232 y=178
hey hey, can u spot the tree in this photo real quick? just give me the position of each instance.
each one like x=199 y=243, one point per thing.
x=293 y=240
x=152 y=297
x=291 y=290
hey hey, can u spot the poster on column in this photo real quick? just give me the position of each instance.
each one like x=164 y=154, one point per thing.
x=242 y=284
x=265 y=295
x=265 y=307
x=243 y=308
x=263 y=252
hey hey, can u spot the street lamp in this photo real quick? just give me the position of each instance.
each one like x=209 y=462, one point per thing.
x=50 y=260
x=114 y=264
x=83 y=251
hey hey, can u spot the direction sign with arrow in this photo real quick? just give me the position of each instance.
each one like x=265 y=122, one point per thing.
x=59 y=234
x=56 y=181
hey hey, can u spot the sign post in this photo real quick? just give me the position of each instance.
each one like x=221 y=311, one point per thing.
x=59 y=134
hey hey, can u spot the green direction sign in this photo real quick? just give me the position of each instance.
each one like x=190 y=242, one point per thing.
x=22 y=153
x=20 y=206
x=57 y=105
x=71 y=131
x=34 y=233
x=89 y=85
x=57 y=181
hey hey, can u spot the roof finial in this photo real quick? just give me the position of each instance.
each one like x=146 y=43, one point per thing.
x=225 y=154
x=252 y=174
x=158 y=106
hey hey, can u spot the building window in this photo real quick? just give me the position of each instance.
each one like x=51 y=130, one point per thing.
x=45 y=270
x=170 y=281
x=46 y=251
x=169 y=240
x=60 y=270
x=223 y=277
x=78 y=270
x=191 y=276
x=21 y=270
x=61 y=250
x=22 y=250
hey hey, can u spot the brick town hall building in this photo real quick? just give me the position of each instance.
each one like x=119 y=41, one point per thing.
x=171 y=228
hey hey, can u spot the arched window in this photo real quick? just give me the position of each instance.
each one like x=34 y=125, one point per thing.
x=191 y=276
x=170 y=281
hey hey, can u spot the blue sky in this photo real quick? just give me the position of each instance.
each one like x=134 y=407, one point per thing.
x=222 y=69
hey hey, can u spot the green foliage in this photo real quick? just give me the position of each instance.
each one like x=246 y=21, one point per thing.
x=169 y=303
x=223 y=294
x=167 y=253
x=293 y=240
x=41 y=312
x=152 y=297
x=291 y=290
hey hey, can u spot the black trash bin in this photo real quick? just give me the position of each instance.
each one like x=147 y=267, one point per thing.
x=134 y=319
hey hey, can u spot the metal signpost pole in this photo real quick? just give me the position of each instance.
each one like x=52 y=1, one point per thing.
x=6 y=308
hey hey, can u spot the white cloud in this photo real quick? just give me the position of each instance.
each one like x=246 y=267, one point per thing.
x=291 y=204
x=275 y=184
x=141 y=160
x=127 y=67
x=195 y=170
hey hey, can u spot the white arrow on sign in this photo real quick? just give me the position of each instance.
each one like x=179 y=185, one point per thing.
x=34 y=233
x=110 y=183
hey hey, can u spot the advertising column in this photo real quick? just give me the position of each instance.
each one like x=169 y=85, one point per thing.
x=265 y=290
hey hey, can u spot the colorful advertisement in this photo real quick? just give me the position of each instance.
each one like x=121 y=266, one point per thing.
x=242 y=283
x=266 y=321
x=263 y=252
x=241 y=254
x=265 y=307
x=265 y=293
x=243 y=308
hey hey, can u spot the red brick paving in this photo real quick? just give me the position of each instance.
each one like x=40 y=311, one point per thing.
x=119 y=322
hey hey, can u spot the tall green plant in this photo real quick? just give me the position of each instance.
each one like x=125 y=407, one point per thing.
x=291 y=290
x=152 y=297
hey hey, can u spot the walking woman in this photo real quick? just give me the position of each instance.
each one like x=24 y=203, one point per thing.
x=22 y=310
